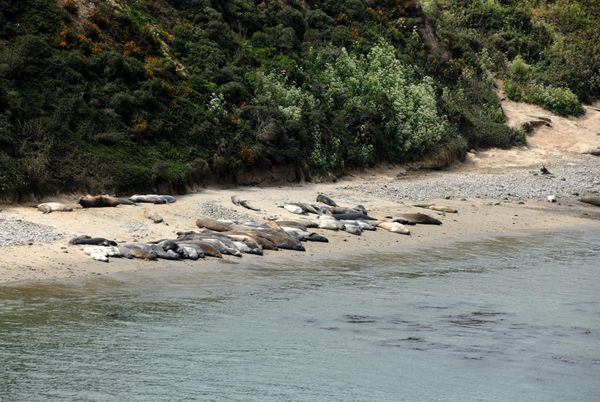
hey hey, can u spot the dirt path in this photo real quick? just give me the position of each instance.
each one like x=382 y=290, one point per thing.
x=565 y=138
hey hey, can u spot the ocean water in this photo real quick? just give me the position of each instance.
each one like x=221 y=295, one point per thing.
x=499 y=319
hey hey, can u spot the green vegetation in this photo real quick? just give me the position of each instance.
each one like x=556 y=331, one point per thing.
x=124 y=96
x=547 y=51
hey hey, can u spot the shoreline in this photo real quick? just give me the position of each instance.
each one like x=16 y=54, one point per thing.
x=477 y=219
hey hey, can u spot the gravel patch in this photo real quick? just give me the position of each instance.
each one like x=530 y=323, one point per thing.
x=14 y=232
x=138 y=228
x=567 y=181
x=215 y=210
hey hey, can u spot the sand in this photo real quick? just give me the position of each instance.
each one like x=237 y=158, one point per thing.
x=568 y=138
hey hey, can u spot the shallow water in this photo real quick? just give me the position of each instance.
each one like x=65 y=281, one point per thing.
x=504 y=319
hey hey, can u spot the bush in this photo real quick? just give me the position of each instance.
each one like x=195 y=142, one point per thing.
x=561 y=101
x=13 y=179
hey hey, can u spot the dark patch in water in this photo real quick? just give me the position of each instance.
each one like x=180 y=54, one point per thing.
x=434 y=307
x=474 y=319
x=118 y=314
x=564 y=359
x=473 y=357
x=487 y=313
x=397 y=321
x=359 y=319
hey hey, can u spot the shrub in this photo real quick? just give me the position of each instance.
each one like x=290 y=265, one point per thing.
x=13 y=179
x=518 y=70
x=557 y=100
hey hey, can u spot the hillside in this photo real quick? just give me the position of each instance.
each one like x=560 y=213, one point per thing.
x=125 y=96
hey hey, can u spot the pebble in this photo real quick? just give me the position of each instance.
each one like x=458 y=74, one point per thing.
x=14 y=232
x=515 y=183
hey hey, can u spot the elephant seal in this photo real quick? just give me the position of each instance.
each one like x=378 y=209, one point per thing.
x=242 y=203
x=394 y=227
x=48 y=207
x=125 y=201
x=143 y=254
x=153 y=199
x=412 y=219
x=164 y=254
x=329 y=222
x=102 y=253
x=303 y=235
x=301 y=224
x=189 y=253
x=353 y=229
x=295 y=209
x=206 y=247
x=213 y=224
x=353 y=217
x=326 y=200
x=223 y=247
x=362 y=224
x=91 y=241
x=311 y=208
x=262 y=241
x=279 y=238
x=99 y=201
x=248 y=241
x=138 y=250
x=591 y=200
x=439 y=208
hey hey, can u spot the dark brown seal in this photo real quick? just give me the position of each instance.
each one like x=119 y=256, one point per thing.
x=591 y=200
x=98 y=201
x=412 y=219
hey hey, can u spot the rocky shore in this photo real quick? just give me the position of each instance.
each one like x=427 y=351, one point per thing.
x=568 y=180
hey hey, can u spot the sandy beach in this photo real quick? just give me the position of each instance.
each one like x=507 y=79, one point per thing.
x=495 y=192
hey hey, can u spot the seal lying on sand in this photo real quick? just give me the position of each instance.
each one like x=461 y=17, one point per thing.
x=125 y=201
x=98 y=201
x=207 y=248
x=295 y=209
x=213 y=224
x=48 y=207
x=413 y=219
x=304 y=235
x=153 y=198
x=394 y=227
x=92 y=241
x=242 y=203
x=326 y=200
x=330 y=223
x=101 y=253
x=591 y=200
x=301 y=224
x=439 y=208
x=353 y=217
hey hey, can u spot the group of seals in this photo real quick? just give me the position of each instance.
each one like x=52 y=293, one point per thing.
x=103 y=201
x=106 y=201
x=220 y=237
